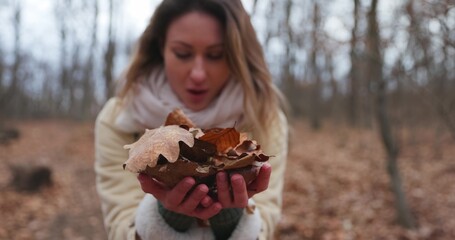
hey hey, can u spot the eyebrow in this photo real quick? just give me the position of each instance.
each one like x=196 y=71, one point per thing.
x=189 y=46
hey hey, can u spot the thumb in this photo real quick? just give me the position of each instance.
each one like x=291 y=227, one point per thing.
x=149 y=185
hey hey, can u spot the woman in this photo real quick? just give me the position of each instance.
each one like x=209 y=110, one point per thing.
x=201 y=56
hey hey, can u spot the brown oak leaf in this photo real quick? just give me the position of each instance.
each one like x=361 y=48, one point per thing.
x=223 y=138
x=177 y=117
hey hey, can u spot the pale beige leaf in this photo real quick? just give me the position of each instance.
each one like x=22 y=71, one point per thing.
x=160 y=141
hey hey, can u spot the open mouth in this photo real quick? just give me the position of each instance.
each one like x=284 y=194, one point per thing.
x=197 y=92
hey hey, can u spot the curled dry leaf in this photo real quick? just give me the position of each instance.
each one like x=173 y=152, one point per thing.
x=177 y=117
x=223 y=138
x=171 y=153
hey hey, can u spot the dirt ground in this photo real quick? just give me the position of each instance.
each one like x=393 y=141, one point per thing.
x=336 y=185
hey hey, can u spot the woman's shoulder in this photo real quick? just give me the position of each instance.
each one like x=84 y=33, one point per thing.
x=110 y=110
x=111 y=107
x=279 y=120
x=277 y=127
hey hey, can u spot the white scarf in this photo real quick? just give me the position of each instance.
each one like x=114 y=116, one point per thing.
x=153 y=99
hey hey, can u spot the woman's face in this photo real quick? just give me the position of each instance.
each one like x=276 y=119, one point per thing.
x=194 y=59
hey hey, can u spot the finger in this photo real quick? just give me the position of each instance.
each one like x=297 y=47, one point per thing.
x=239 y=191
x=262 y=181
x=206 y=213
x=149 y=185
x=206 y=201
x=193 y=200
x=224 y=195
x=176 y=195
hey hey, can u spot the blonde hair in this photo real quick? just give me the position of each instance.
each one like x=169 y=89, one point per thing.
x=244 y=54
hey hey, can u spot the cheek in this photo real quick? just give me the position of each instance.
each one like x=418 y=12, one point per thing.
x=223 y=73
x=174 y=77
x=173 y=70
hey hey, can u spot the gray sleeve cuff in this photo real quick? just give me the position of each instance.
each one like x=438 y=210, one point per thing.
x=177 y=221
x=224 y=223
x=151 y=225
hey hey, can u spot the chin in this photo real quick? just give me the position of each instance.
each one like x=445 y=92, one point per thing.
x=193 y=104
x=197 y=107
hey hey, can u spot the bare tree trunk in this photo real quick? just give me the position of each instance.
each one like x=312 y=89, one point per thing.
x=375 y=70
x=47 y=99
x=88 y=97
x=445 y=114
x=315 y=108
x=288 y=78
x=445 y=103
x=335 y=94
x=63 y=97
x=270 y=31
x=8 y=100
x=17 y=50
x=109 y=54
x=353 y=103
x=438 y=90
x=446 y=109
x=2 y=68
x=253 y=10
x=74 y=80
x=443 y=99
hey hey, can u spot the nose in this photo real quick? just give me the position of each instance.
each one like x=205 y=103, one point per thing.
x=198 y=73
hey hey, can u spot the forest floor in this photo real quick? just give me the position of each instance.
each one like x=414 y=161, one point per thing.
x=336 y=187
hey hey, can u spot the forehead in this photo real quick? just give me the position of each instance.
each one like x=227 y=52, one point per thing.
x=195 y=28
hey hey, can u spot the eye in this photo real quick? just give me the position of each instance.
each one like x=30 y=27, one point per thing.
x=183 y=55
x=215 y=55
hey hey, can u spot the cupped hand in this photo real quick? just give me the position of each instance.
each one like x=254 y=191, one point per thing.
x=182 y=198
x=236 y=194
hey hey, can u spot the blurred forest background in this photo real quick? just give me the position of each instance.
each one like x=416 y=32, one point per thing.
x=371 y=86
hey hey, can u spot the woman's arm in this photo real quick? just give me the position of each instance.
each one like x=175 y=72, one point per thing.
x=269 y=202
x=118 y=190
